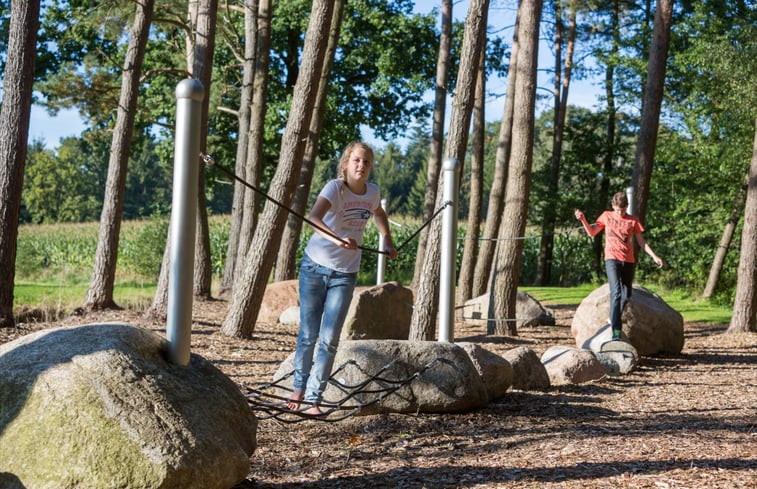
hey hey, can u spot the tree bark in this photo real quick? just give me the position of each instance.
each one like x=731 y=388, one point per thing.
x=725 y=243
x=499 y=179
x=254 y=166
x=437 y=134
x=202 y=70
x=470 y=249
x=506 y=272
x=745 y=302
x=250 y=285
x=245 y=109
x=100 y=293
x=562 y=84
x=650 y=112
x=422 y=323
x=18 y=80
x=286 y=260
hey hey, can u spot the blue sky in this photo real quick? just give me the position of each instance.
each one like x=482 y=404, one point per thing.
x=501 y=19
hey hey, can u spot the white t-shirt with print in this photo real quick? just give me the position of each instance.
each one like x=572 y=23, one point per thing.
x=348 y=215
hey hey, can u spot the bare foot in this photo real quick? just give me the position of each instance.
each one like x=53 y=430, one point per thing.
x=294 y=400
x=314 y=411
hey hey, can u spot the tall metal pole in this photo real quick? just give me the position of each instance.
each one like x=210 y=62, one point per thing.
x=448 y=253
x=189 y=96
x=381 y=266
x=630 y=196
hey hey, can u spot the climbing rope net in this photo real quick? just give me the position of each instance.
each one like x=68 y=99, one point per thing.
x=369 y=391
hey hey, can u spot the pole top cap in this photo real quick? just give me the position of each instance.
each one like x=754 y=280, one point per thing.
x=450 y=164
x=190 y=88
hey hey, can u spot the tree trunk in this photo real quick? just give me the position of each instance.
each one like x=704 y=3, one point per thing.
x=499 y=179
x=245 y=109
x=609 y=155
x=725 y=244
x=250 y=285
x=100 y=293
x=202 y=70
x=470 y=249
x=650 y=112
x=437 y=134
x=423 y=319
x=18 y=80
x=506 y=272
x=745 y=302
x=287 y=256
x=546 y=249
x=254 y=166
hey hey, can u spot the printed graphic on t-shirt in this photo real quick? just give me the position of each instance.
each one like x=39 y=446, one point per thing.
x=356 y=214
x=618 y=235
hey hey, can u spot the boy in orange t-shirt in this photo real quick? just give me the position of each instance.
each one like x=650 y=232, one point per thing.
x=620 y=229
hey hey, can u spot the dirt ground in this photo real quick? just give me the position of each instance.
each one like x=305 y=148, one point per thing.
x=683 y=421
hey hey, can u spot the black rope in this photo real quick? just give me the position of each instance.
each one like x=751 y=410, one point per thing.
x=207 y=159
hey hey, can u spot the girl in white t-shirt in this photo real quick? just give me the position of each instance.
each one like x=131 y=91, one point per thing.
x=329 y=267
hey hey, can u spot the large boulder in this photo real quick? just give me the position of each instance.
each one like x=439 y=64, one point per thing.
x=617 y=357
x=278 y=297
x=100 y=406
x=649 y=324
x=435 y=377
x=568 y=365
x=528 y=371
x=529 y=311
x=380 y=312
x=495 y=371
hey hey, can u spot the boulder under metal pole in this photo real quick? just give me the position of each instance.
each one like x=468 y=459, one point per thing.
x=189 y=96
x=381 y=265
x=448 y=251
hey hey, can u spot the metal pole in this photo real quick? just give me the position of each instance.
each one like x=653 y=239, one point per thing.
x=381 y=268
x=189 y=96
x=448 y=253
x=629 y=196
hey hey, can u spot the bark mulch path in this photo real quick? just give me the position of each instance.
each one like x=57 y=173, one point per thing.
x=683 y=421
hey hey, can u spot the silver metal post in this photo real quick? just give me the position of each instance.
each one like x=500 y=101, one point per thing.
x=448 y=252
x=189 y=96
x=629 y=195
x=381 y=267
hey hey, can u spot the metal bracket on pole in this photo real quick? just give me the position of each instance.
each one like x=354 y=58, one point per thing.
x=189 y=96
x=381 y=266
x=448 y=252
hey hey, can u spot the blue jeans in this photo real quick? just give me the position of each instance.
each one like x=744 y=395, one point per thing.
x=325 y=297
x=620 y=276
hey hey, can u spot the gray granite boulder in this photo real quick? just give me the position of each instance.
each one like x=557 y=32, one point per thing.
x=529 y=311
x=99 y=406
x=380 y=312
x=278 y=297
x=528 y=371
x=568 y=365
x=649 y=324
x=444 y=379
x=495 y=371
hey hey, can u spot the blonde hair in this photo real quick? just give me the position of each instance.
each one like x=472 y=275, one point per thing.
x=346 y=156
x=620 y=199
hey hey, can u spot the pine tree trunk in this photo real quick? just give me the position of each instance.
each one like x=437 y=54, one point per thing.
x=202 y=70
x=650 y=112
x=100 y=293
x=470 y=249
x=506 y=272
x=254 y=165
x=18 y=80
x=437 y=134
x=499 y=179
x=422 y=323
x=725 y=244
x=745 y=302
x=251 y=283
x=245 y=109
x=562 y=84
x=286 y=261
